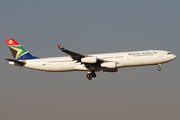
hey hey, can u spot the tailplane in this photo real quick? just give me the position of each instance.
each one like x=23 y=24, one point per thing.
x=18 y=52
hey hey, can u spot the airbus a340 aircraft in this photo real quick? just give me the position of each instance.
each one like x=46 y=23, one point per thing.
x=108 y=62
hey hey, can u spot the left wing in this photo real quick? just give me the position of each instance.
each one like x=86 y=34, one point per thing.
x=74 y=55
x=79 y=57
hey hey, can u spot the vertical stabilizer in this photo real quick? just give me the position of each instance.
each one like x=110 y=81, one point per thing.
x=18 y=52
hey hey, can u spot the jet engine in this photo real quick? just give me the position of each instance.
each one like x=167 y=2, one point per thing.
x=109 y=64
x=89 y=60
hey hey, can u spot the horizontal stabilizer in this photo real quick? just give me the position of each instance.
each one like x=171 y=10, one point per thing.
x=19 y=63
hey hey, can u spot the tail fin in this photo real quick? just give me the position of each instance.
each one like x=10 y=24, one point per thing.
x=18 y=51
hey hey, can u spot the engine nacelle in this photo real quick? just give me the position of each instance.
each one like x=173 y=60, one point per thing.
x=109 y=64
x=89 y=60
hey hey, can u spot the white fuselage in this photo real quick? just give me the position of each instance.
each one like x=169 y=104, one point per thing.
x=122 y=59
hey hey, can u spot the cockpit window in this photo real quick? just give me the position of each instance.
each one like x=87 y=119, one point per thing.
x=169 y=53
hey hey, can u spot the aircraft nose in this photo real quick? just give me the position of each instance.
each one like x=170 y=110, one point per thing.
x=174 y=56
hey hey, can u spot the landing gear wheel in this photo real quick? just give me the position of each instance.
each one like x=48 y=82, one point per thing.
x=159 y=69
x=90 y=77
x=94 y=75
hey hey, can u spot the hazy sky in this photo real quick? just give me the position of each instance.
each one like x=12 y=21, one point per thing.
x=94 y=26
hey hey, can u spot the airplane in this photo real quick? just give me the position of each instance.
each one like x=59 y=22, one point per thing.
x=107 y=62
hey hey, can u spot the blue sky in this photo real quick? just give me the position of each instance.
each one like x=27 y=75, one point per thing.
x=96 y=26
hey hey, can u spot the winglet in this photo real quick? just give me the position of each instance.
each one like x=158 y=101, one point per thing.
x=60 y=47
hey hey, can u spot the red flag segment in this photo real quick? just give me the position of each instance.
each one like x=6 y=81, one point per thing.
x=11 y=42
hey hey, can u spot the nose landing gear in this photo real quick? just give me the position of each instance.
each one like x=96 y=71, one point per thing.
x=159 y=68
x=90 y=75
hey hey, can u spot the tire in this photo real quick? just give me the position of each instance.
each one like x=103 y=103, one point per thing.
x=90 y=77
x=94 y=75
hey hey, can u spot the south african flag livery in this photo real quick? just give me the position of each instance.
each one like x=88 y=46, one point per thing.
x=18 y=51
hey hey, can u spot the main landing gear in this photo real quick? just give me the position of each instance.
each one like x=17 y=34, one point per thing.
x=159 y=68
x=90 y=75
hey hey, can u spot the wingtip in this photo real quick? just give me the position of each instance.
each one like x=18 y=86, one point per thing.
x=60 y=47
